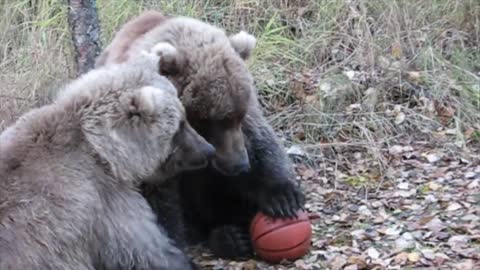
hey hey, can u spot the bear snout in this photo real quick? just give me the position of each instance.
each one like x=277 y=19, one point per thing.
x=195 y=150
x=208 y=151
x=232 y=164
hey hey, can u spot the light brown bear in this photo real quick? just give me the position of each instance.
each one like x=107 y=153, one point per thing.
x=70 y=171
x=250 y=171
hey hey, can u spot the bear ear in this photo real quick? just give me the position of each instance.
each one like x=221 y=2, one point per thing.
x=171 y=60
x=243 y=43
x=139 y=102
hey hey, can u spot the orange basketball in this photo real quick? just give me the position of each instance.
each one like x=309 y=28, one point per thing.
x=278 y=239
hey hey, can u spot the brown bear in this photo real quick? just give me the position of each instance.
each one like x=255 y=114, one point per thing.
x=70 y=173
x=250 y=171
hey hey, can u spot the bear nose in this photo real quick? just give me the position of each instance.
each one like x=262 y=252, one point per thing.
x=242 y=167
x=208 y=150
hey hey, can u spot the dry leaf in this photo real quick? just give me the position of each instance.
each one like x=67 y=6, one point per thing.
x=406 y=241
x=434 y=186
x=428 y=254
x=338 y=262
x=414 y=76
x=350 y=74
x=373 y=253
x=395 y=150
x=454 y=206
x=249 y=265
x=396 y=50
x=433 y=157
x=413 y=257
x=435 y=225
x=403 y=186
x=465 y=265
x=399 y=118
x=351 y=267
x=401 y=258
x=307 y=173
x=358 y=261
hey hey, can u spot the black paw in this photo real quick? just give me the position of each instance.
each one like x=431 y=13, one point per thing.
x=282 y=201
x=231 y=242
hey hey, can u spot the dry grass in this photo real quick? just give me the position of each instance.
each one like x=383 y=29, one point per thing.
x=344 y=73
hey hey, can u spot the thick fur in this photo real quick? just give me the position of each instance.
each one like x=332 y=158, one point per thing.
x=250 y=171
x=69 y=174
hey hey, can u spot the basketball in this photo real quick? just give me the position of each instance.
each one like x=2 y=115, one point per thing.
x=278 y=239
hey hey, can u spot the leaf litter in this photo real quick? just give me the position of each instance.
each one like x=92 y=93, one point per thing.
x=423 y=214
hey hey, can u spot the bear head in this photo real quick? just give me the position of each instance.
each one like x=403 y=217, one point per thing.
x=216 y=89
x=134 y=121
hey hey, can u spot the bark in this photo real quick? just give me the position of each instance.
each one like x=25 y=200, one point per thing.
x=85 y=29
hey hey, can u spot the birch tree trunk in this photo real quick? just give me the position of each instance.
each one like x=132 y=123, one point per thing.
x=85 y=29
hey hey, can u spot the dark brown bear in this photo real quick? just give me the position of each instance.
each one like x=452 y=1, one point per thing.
x=250 y=171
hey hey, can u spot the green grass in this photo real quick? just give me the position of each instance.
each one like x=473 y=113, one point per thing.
x=303 y=47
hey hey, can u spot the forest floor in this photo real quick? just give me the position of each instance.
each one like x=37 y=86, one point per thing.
x=423 y=212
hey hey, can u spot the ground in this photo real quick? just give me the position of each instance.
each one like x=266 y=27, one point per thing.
x=422 y=212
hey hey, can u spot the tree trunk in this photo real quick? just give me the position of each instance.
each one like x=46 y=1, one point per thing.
x=85 y=29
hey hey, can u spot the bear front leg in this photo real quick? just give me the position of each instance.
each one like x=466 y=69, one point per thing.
x=274 y=189
x=132 y=239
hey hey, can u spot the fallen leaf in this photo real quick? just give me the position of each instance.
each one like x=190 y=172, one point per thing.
x=373 y=253
x=311 y=99
x=403 y=186
x=457 y=241
x=404 y=193
x=326 y=87
x=413 y=257
x=249 y=265
x=358 y=261
x=470 y=175
x=392 y=231
x=358 y=234
x=401 y=258
x=454 y=206
x=307 y=173
x=406 y=241
x=364 y=211
x=465 y=265
x=434 y=186
x=351 y=267
x=414 y=76
x=395 y=150
x=350 y=74
x=396 y=50
x=295 y=150
x=338 y=262
x=440 y=258
x=435 y=225
x=399 y=118
x=432 y=157
x=428 y=254
x=474 y=184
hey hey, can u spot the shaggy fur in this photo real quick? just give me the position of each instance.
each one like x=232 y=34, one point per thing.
x=69 y=174
x=250 y=171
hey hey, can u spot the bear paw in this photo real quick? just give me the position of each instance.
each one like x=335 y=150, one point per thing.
x=283 y=201
x=231 y=242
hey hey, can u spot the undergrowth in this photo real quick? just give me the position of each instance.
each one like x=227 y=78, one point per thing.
x=332 y=75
